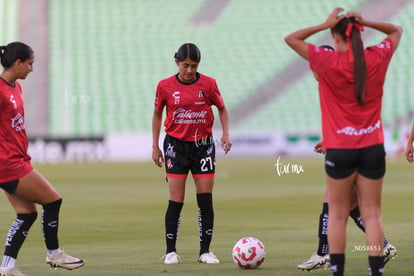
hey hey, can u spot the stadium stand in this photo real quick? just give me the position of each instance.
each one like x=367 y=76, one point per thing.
x=106 y=58
x=8 y=21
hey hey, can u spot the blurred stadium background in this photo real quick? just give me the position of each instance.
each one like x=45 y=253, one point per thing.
x=90 y=97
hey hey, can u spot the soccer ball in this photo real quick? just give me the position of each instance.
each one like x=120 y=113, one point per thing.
x=249 y=253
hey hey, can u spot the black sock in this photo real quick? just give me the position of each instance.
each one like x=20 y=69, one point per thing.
x=376 y=265
x=172 y=223
x=205 y=220
x=356 y=216
x=323 y=247
x=18 y=232
x=337 y=264
x=50 y=224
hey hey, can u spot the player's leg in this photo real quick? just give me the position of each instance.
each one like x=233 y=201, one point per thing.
x=33 y=187
x=26 y=214
x=369 y=190
x=390 y=251
x=176 y=186
x=204 y=187
x=177 y=168
x=203 y=170
x=340 y=197
x=320 y=259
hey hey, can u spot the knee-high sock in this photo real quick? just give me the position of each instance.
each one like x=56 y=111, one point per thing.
x=50 y=224
x=17 y=234
x=172 y=223
x=323 y=247
x=376 y=265
x=337 y=264
x=205 y=220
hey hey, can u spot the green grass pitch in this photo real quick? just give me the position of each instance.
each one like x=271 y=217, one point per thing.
x=113 y=216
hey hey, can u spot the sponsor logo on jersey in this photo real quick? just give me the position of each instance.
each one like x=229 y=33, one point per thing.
x=351 y=131
x=184 y=116
x=18 y=122
x=176 y=96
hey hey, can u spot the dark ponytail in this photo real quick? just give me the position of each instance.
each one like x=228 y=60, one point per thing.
x=350 y=31
x=14 y=51
x=188 y=50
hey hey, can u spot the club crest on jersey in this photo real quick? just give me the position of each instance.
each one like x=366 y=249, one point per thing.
x=201 y=94
x=176 y=96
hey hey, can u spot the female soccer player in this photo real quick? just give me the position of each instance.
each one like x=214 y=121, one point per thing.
x=23 y=185
x=320 y=258
x=189 y=145
x=350 y=91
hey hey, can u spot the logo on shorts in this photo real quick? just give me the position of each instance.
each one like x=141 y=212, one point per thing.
x=210 y=150
x=330 y=163
x=170 y=151
x=170 y=164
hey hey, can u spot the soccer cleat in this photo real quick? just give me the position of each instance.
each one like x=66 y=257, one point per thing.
x=208 y=258
x=172 y=258
x=64 y=261
x=389 y=252
x=4 y=271
x=315 y=262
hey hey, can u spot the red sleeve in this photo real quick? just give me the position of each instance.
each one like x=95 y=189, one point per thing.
x=216 y=98
x=159 y=101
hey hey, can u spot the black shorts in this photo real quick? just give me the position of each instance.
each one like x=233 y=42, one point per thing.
x=181 y=157
x=10 y=187
x=369 y=162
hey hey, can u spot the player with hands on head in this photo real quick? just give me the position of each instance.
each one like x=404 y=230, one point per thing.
x=23 y=185
x=189 y=145
x=350 y=83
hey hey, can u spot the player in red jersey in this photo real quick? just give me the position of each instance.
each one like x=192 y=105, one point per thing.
x=320 y=258
x=350 y=83
x=189 y=145
x=23 y=185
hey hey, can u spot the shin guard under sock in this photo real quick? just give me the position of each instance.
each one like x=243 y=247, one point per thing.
x=323 y=247
x=17 y=233
x=172 y=223
x=205 y=220
x=50 y=224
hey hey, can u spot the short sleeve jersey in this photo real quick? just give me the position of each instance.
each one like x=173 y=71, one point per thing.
x=346 y=123
x=189 y=113
x=14 y=159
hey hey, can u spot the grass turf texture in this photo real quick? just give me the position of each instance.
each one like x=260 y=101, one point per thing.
x=113 y=216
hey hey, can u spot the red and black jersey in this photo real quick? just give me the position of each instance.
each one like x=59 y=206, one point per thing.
x=346 y=123
x=189 y=113
x=14 y=159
